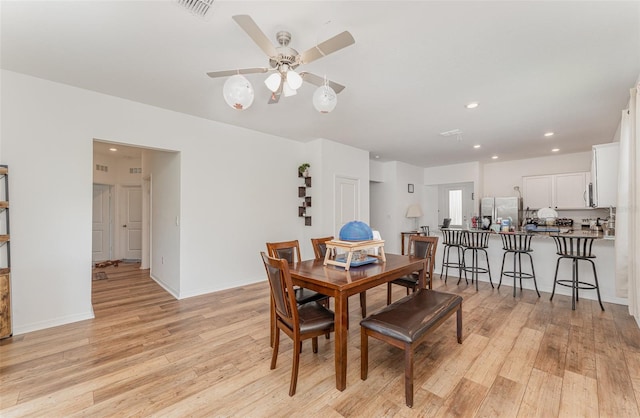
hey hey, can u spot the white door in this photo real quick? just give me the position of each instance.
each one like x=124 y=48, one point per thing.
x=131 y=222
x=101 y=231
x=456 y=202
x=347 y=202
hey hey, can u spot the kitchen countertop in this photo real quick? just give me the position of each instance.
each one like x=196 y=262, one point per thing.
x=563 y=231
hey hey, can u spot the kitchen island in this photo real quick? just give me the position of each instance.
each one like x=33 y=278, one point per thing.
x=544 y=259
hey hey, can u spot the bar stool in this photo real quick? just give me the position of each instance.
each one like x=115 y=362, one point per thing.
x=475 y=241
x=452 y=238
x=575 y=248
x=517 y=244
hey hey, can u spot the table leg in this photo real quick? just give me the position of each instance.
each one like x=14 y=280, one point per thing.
x=341 y=341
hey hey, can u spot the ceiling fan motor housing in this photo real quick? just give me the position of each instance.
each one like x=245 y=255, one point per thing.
x=286 y=55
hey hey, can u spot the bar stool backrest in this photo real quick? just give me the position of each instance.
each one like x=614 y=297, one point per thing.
x=452 y=236
x=516 y=242
x=476 y=239
x=574 y=247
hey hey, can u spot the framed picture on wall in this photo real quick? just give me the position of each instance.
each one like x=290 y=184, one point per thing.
x=410 y=188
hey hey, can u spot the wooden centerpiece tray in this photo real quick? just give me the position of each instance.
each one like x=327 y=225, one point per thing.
x=349 y=248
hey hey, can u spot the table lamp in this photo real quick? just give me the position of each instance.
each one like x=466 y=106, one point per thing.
x=415 y=212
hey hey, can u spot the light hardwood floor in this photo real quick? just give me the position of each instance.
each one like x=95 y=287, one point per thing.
x=146 y=354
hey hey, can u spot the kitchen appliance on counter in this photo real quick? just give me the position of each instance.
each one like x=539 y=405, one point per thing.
x=495 y=209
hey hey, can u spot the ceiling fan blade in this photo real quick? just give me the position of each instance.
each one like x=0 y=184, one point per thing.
x=227 y=73
x=327 y=47
x=250 y=27
x=319 y=81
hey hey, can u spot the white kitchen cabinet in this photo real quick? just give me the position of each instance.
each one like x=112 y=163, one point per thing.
x=537 y=192
x=571 y=190
x=557 y=191
x=604 y=174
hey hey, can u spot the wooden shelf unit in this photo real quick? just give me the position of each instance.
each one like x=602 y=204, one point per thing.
x=5 y=245
x=306 y=200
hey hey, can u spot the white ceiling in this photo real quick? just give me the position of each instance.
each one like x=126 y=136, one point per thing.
x=533 y=66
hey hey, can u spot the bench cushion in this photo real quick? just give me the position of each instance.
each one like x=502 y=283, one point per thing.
x=411 y=317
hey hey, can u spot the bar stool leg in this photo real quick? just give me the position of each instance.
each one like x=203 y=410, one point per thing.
x=520 y=270
x=574 y=288
x=515 y=269
x=504 y=255
x=475 y=267
x=445 y=253
x=533 y=274
x=488 y=267
x=555 y=277
x=462 y=265
x=595 y=275
x=464 y=255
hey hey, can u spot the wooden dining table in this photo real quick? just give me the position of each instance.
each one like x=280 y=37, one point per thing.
x=334 y=281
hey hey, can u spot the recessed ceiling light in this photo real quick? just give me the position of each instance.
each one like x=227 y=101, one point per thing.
x=476 y=146
x=548 y=134
x=113 y=149
x=555 y=150
x=495 y=157
x=377 y=156
x=472 y=105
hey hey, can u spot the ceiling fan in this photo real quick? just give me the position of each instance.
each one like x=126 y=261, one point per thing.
x=283 y=60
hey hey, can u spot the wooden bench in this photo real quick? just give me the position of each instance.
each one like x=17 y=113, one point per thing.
x=405 y=324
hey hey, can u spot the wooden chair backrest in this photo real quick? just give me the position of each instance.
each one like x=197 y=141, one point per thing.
x=320 y=247
x=424 y=247
x=289 y=250
x=282 y=294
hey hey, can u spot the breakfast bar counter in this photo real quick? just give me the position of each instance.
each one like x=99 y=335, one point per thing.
x=544 y=259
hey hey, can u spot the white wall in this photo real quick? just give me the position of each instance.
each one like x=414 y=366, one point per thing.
x=238 y=190
x=500 y=177
x=392 y=199
x=342 y=161
x=383 y=216
x=455 y=173
x=376 y=171
x=164 y=169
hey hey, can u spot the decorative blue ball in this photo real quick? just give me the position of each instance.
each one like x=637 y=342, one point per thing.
x=356 y=231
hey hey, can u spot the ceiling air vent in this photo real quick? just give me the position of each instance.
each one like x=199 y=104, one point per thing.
x=198 y=7
x=454 y=132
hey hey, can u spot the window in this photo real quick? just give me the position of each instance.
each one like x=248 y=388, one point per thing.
x=455 y=206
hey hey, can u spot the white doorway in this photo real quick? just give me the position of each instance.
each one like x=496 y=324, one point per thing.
x=455 y=201
x=347 y=201
x=102 y=223
x=130 y=218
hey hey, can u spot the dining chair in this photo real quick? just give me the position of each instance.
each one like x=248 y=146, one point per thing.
x=320 y=250
x=299 y=322
x=423 y=247
x=290 y=251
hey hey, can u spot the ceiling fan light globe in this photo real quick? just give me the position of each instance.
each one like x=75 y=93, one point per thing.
x=294 y=80
x=273 y=82
x=288 y=91
x=324 y=99
x=238 y=92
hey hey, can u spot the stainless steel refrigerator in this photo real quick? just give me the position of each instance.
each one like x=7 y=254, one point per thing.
x=498 y=208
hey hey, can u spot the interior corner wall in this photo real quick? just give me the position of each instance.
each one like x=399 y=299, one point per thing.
x=383 y=215
x=391 y=198
x=229 y=206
